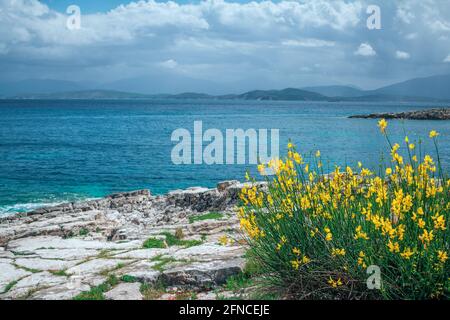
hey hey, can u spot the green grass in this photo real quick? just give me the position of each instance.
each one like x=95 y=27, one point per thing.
x=162 y=261
x=172 y=240
x=9 y=286
x=128 y=279
x=83 y=232
x=120 y=265
x=208 y=216
x=238 y=282
x=61 y=273
x=154 y=243
x=26 y=269
x=97 y=293
x=150 y=292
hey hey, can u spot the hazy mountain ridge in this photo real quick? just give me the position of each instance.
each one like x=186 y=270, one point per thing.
x=435 y=88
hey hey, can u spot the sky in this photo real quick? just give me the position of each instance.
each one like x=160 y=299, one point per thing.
x=218 y=46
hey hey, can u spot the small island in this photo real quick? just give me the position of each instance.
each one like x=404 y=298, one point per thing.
x=426 y=114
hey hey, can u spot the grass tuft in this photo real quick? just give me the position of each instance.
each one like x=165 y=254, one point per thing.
x=207 y=216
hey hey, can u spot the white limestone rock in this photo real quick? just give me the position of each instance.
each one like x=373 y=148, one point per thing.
x=125 y=291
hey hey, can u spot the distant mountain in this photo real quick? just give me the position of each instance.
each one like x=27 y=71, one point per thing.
x=85 y=95
x=38 y=86
x=437 y=87
x=165 y=81
x=288 y=94
x=336 y=91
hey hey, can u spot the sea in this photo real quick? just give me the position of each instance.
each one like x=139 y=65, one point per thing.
x=53 y=151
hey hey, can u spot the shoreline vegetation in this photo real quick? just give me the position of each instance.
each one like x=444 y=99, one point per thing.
x=352 y=234
x=426 y=114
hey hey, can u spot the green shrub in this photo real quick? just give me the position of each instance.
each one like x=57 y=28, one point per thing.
x=314 y=234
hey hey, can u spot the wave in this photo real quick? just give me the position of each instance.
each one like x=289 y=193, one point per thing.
x=25 y=207
x=8 y=210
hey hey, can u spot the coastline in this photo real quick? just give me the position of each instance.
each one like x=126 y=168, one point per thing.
x=42 y=252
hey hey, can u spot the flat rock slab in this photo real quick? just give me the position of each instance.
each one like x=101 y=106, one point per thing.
x=9 y=273
x=203 y=274
x=96 y=266
x=125 y=291
x=143 y=253
x=142 y=271
x=209 y=251
x=26 y=286
x=31 y=244
x=45 y=264
x=67 y=254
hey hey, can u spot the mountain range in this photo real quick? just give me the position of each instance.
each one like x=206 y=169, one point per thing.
x=418 y=89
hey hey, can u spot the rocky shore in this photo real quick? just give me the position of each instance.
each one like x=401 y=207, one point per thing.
x=124 y=246
x=427 y=114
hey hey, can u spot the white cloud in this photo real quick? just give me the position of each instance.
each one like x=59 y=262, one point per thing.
x=253 y=42
x=402 y=55
x=308 y=43
x=447 y=59
x=365 y=50
x=170 y=64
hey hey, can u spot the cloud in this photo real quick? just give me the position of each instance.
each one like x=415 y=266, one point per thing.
x=308 y=43
x=239 y=45
x=402 y=55
x=170 y=64
x=365 y=50
x=447 y=59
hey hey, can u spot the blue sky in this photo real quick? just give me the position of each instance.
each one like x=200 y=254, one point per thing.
x=218 y=46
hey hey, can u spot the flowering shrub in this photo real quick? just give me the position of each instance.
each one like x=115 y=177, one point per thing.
x=314 y=234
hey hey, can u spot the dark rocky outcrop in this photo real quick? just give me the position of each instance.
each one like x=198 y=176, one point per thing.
x=427 y=114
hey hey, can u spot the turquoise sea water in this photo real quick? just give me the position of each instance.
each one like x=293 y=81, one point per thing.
x=54 y=151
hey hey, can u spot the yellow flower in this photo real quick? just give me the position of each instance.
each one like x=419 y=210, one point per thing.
x=433 y=134
x=360 y=234
x=261 y=168
x=305 y=259
x=426 y=236
x=329 y=237
x=359 y=164
x=388 y=171
x=382 y=124
x=223 y=240
x=335 y=283
x=421 y=223
x=411 y=146
x=406 y=254
x=337 y=252
x=393 y=246
x=318 y=153
x=296 y=251
x=439 y=222
x=442 y=256
x=297 y=158
x=361 y=262
x=295 y=264
x=290 y=145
